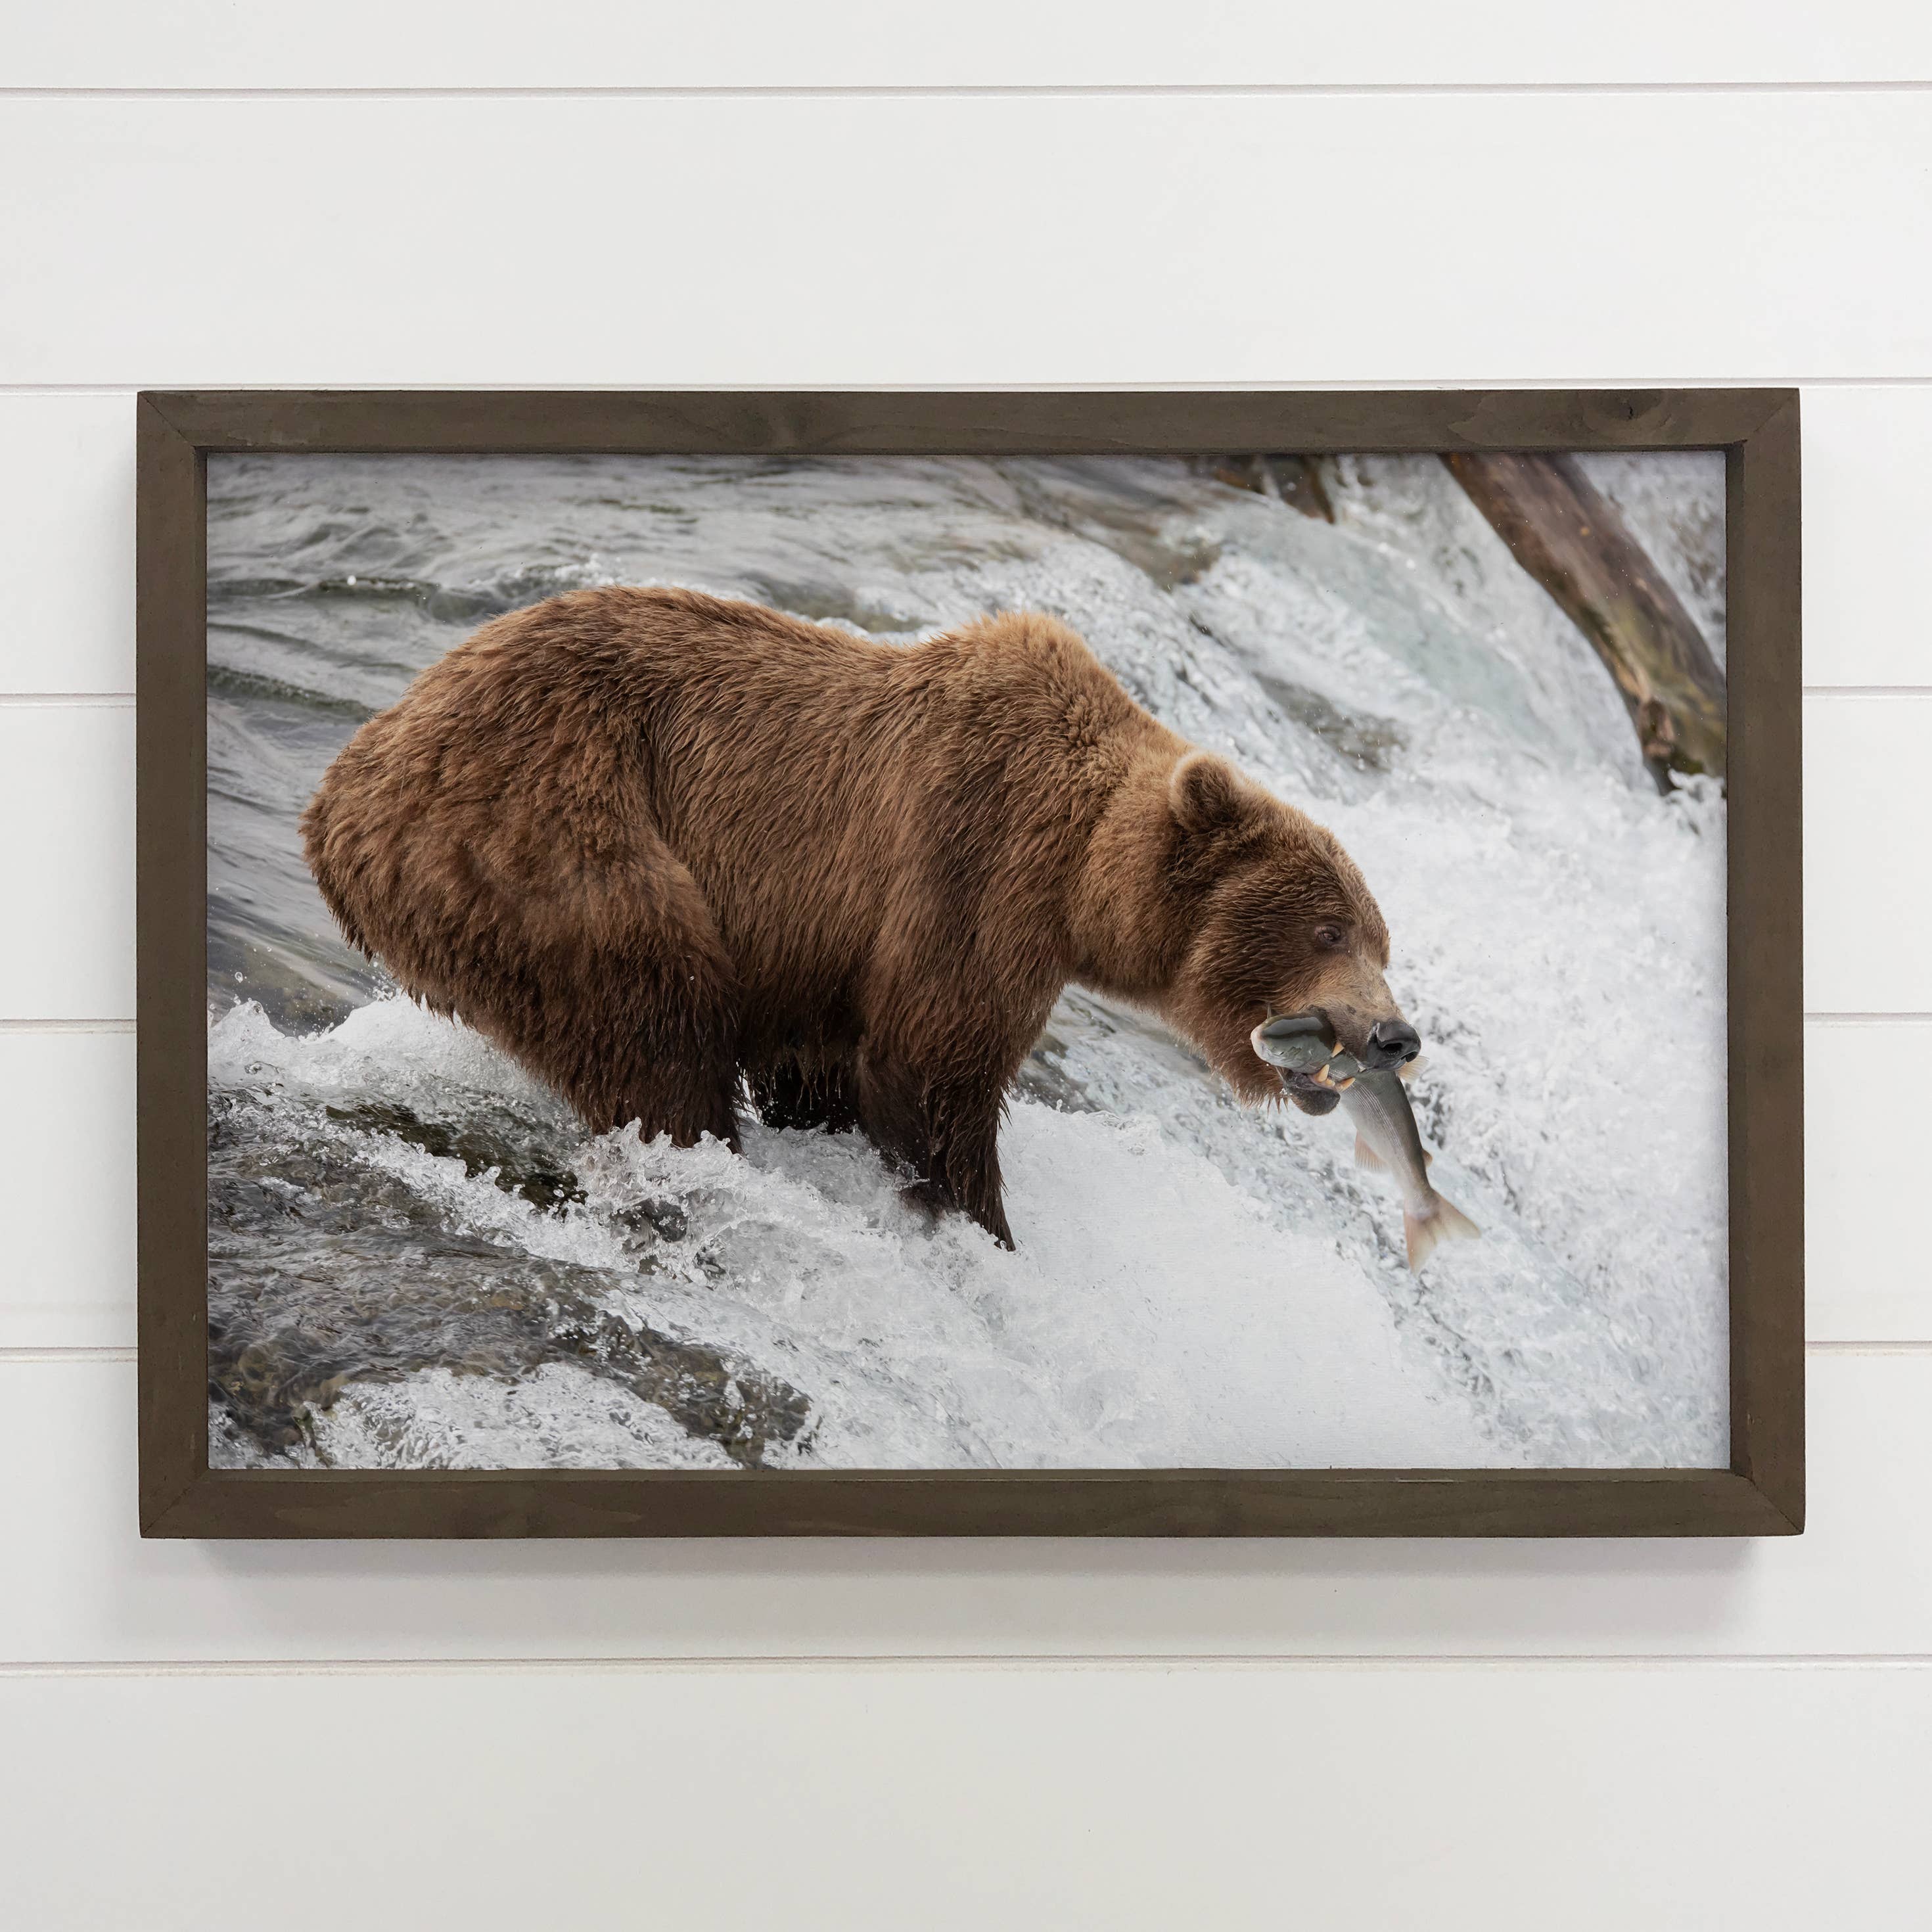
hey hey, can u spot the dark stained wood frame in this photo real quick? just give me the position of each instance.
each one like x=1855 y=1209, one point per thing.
x=1761 y=1493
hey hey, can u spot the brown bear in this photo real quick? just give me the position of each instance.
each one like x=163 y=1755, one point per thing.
x=655 y=845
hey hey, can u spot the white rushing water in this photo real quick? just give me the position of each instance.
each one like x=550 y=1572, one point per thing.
x=417 y=1259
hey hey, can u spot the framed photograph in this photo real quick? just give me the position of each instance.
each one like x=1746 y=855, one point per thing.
x=963 y=964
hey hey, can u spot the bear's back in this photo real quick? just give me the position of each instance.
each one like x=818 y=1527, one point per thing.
x=814 y=785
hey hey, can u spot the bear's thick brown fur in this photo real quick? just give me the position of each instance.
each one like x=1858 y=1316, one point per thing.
x=653 y=843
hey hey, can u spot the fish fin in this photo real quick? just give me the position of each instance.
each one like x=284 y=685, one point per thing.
x=1428 y=1158
x=1409 y=1069
x=1444 y=1223
x=1366 y=1156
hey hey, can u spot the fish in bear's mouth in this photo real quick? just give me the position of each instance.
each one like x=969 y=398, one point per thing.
x=1319 y=1075
x=1316 y=1073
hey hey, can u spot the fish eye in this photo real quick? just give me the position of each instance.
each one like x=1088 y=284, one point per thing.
x=1331 y=936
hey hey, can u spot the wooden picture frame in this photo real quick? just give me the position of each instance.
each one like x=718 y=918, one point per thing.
x=1761 y=1493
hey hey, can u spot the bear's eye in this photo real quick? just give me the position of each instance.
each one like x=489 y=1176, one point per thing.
x=1330 y=936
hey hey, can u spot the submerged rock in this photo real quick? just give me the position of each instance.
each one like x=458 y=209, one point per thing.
x=325 y=1269
x=482 y=1146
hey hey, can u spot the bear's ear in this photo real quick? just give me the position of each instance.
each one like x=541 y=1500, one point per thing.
x=1207 y=794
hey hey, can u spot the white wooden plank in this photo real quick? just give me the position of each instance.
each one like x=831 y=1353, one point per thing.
x=67 y=1190
x=67 y=862
x=67 y=1186
x=82 y=1587
x=1867 y=817
x=207 y=43
x=1471 y=1799
x=1867 y=511
x=969 y=240
x=1865 y=1142
x=67 y=543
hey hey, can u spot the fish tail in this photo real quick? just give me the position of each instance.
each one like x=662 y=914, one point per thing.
x=1442 y=1221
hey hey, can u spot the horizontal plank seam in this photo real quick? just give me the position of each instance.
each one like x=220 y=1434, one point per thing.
x=56 y=701
x=1352 y=385
x=993 y=91
x=78 y=1352
x=1867 y=690
x=1822 y=1345
x=817 y=1663
x=1824 y=1018
x=11 y=1026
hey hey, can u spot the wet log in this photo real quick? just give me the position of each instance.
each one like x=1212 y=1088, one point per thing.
x=1571 y=539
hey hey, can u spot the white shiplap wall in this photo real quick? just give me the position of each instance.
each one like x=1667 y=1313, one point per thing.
x=1654 y=1735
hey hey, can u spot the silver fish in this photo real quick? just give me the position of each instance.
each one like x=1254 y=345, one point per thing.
x=1386 y=1139
x=1298 y=1042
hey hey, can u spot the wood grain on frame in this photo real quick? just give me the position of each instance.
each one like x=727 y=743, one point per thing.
x=170 y=958
x=1762 y=1494
x=960 y=422
x=1765 y=952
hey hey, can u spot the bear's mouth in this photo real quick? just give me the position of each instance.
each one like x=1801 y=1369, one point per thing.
x=1310 y=1095
x=1314 y=1067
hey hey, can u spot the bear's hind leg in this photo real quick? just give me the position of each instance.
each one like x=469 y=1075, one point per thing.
x=631 y=1010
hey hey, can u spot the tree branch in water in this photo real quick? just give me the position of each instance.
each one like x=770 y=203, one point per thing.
x=1570 y=537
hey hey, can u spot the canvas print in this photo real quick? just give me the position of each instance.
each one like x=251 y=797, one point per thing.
x=1198 y=962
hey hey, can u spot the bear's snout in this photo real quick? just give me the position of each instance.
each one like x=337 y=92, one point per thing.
x=1390 y=1043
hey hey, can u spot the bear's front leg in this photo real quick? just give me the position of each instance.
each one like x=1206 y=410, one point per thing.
x=964 y=1157
x=946 y=1129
